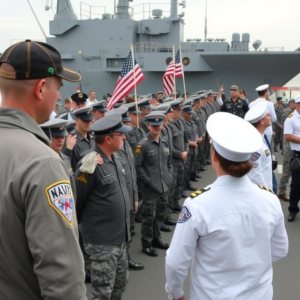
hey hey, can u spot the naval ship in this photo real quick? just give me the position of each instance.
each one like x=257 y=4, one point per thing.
x=96 y=45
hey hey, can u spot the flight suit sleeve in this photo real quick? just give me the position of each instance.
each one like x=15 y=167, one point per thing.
x=255 y=175
x=139 y=156
x=179 y=257
x=51 y=229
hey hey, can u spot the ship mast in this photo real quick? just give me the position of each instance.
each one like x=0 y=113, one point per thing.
x=122 y=11
x=65 y=10
x=205 y=26
x=174 y=8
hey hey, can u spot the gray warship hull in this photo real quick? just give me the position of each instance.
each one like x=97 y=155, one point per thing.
x=97 y=48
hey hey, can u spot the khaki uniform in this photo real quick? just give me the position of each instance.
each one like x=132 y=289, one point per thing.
x=40 y=256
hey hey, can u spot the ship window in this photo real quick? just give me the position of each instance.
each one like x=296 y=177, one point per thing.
x=168 y=60
x=115 y=62
x=186 y=61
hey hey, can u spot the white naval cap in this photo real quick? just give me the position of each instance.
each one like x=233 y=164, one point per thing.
x=297 y=99
x=262 y=88
x=232 y=137
x=257 y=112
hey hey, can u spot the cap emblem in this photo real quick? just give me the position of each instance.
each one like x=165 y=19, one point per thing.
x=156 y=119
x=80 y=95
x=51 y=70
x=62 y=127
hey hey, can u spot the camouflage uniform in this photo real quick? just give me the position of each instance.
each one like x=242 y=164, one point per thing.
x=288 y=154
x=278 y=131
x=109 y=271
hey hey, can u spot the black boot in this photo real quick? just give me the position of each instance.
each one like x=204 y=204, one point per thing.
x=134 y=266
x=193 y=177
x=190 y=187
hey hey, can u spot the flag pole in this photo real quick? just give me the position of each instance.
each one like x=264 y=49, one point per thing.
x=184 y=89
x=174 y=72
x=135 y=92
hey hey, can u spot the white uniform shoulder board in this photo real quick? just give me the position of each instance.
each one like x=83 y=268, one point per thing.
x=290 y=115
x=265 y=188
x=197 y=193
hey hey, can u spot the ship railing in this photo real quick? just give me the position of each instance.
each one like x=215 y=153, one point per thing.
x=155 y=47
x=143 y=11
x=88 y=11
x=270 y=49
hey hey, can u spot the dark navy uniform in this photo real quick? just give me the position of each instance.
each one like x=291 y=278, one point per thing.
x=238 y=107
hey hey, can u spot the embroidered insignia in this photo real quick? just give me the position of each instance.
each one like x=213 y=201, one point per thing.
x=60 y=198
x=265 y=188
x=254 y=156
x=138 y=151
x=267 y=152
x=62 y=127
x=82 y=178
x=156 y=119
x=139 y=146
x=184 y=215
x=255 y=165
x=80 y=95
x=197 y=193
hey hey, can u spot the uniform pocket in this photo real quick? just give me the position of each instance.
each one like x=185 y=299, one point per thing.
x=151 y=158
x=108 y=180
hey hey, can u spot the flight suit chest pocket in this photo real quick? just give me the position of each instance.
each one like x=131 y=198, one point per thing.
x=151 y=158
x=108 y=180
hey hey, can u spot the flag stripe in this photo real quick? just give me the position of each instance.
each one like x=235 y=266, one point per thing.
x=126 y=82
x=168 y=78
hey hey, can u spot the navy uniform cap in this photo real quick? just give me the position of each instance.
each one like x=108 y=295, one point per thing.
x=71 y=126
x=109 y=124
x=168 y=99
x=55 y=127
x=144 y=103
x=99 y=106
x=189 y=102
x=132 y=108
x=187 y=109
x=176 y=104
x=164 y=108
x=79 y=97
x=123 y=111
x=155 y=118
x=84 y=113
x=203 y=96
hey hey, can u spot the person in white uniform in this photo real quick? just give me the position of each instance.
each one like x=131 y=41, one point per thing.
x=263 y=95
x=261 y=173
x=292 y=135
x=231 y=231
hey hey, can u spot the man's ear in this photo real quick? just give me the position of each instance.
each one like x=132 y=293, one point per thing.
x=38 y=89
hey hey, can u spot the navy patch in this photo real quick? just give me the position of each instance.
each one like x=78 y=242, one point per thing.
x=254 y=156
x=184 y=215
x=60 y=197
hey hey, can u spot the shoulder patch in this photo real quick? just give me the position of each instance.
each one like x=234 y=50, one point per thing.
x=197 y=193
x=265 y=188
x=60 y=198
x=290 y=115
x=254 y=156
x=184 y=215
x=82 y=178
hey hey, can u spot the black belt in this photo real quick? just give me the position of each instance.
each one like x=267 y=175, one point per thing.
x=296 y=152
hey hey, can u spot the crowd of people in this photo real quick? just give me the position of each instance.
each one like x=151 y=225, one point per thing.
x=74 y=209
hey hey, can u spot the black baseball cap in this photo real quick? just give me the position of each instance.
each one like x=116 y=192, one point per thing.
x=35 y=60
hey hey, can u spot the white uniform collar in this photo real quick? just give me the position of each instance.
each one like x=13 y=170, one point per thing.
x=229 y=180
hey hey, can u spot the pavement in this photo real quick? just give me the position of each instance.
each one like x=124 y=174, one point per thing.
x=149 y=283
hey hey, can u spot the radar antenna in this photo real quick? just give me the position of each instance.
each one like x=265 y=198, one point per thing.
x=205 y=28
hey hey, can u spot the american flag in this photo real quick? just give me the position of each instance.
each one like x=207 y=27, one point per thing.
x=126 y=82
x=178 y=65
x=168 y=78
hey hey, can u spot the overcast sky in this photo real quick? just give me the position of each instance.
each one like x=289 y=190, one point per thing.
x=275 y=22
